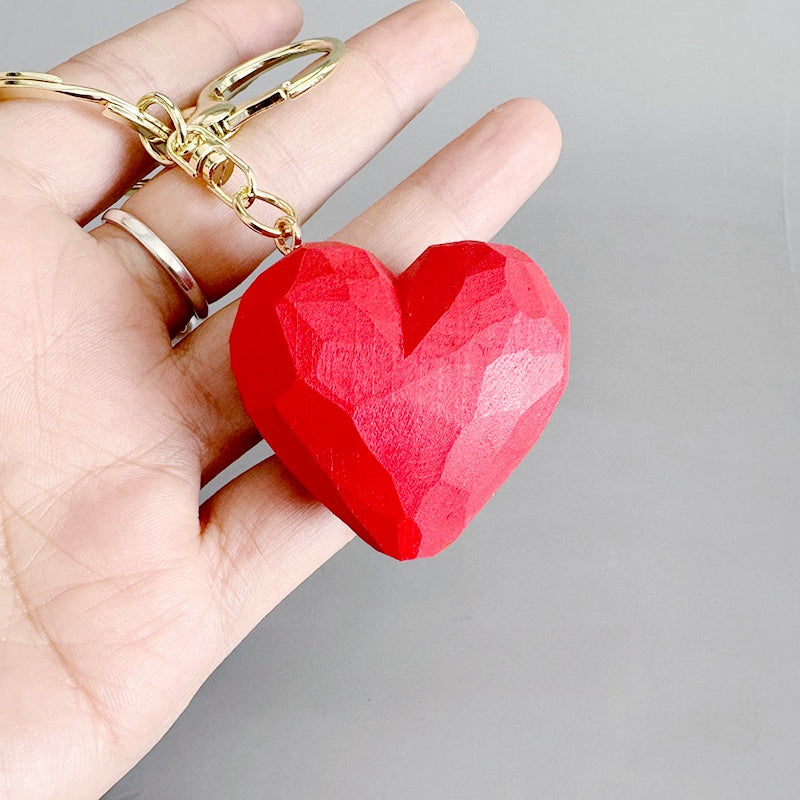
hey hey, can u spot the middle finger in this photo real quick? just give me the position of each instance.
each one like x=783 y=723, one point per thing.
x=308 y=148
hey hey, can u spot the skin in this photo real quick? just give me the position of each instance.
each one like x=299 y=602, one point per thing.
x=119 y=593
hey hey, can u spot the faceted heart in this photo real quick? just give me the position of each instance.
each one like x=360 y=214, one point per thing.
x=401 y=402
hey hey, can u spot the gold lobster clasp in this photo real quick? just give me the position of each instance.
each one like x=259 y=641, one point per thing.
x=217 y=113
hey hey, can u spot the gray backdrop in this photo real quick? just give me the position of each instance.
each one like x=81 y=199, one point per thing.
x=621 y=621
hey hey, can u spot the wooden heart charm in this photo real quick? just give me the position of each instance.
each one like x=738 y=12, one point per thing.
x=401 y=402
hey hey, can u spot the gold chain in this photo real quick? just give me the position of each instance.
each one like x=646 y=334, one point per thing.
x=196 y=141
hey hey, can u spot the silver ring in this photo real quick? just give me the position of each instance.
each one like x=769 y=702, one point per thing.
x=175 y=268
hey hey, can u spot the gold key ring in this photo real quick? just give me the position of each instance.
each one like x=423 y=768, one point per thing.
x=195 y=140
x=33 y=84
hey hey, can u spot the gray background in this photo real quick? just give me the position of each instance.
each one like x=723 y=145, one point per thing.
x=622 y=619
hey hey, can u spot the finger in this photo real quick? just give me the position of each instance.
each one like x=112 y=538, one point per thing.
x=93 y=160
x=469 y=190
x=264 y=534
x=302 y=151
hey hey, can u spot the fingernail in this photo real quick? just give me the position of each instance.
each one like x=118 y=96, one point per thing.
x=467 y=17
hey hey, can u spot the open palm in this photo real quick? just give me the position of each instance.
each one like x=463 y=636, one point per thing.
x=118 y=592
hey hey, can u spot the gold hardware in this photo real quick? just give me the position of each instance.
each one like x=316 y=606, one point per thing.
x=242 y=202
x=196 y=140
x=30 y=84
x=155 y=145
x=214 y=109
x=291 y=237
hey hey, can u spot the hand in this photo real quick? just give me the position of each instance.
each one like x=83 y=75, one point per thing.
x=118 y=595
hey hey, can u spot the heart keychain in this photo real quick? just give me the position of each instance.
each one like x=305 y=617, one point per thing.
x=400 y=402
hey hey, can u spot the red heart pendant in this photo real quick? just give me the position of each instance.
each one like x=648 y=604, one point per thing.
x=401 y=402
